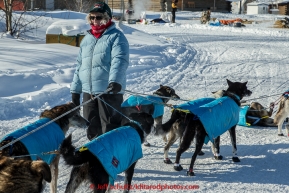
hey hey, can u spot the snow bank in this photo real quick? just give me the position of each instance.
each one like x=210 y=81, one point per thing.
x=70 y=27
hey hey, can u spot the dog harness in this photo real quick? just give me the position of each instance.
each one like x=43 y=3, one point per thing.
x=286 y=94
x=137 y=101
x=216 y=115
x=43 y=140
x=117 y=150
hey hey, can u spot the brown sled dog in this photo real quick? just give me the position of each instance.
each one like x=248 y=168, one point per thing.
x=194 y=124
x=282 y=113
x=21 y=176
x=258 y=115
x=51 y=135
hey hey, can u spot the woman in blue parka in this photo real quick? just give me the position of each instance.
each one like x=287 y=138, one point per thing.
x=101 y=64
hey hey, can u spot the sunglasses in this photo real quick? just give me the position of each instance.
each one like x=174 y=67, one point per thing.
x=96 y=17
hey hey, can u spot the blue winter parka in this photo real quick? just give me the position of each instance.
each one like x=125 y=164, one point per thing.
x=101 y=61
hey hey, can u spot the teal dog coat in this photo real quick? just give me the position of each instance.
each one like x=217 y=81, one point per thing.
x=216 y=115
x=117 y=150
x=43 y=140
x=242 y=116
x=135 y=101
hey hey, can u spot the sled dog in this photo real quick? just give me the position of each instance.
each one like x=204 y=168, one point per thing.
x=38 y=144
x=206 y=119
x=100 y=160
x=23 y=176
x=152 y=105
x=282 y=113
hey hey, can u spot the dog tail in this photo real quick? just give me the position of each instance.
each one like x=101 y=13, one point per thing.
x=70 y=156
x=166 y=127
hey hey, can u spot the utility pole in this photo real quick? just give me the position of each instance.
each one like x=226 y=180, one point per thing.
x=240 y=9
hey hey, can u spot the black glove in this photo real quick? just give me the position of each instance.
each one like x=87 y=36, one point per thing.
x=75 y=98
x=114 y=87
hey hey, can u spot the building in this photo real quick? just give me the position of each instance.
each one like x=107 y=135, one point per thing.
x=17 y=5
x=149 y=5
x=257 y=8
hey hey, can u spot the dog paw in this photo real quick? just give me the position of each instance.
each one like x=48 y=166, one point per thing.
x=235 y=159
x=281 y=134
x=190 y=173
x=168 y=161
x=201 y=153
x=219 y=157
x=178 y=168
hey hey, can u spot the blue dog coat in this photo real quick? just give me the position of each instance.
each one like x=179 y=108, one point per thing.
x=242 y=116
x=189 y=106
x=217 y=116
x=117 y=150
x=44 y=140
x=134 y=101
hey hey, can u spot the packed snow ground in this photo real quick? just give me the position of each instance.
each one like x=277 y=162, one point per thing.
x=192 y=58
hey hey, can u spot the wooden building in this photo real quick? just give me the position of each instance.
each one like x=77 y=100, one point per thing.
x=185 y=5
x=17 y=5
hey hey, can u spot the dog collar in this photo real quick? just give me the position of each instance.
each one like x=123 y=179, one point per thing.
x=233 y=94
x=137 y=123
x=237 y=96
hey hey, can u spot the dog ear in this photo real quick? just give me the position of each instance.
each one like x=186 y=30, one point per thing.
x=149 y=119
x=214 y=92
x=3 y=160
x=229 y=82
x=245 y=83
x=40 y=167
x=65 y=143
x=161 y=85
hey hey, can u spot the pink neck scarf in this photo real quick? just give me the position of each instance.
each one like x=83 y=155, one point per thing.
x=98 y=30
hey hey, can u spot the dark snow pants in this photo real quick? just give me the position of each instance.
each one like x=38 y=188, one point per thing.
x=101 y=116
x=174 y=15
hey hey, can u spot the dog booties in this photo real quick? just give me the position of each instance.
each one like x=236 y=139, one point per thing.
x=43 y=140
x=216 y=115
x=117 y=150
x=137 y=101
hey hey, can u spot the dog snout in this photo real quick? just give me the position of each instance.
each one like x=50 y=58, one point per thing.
x=175 y=96
x=249 y=92
x=87 y=123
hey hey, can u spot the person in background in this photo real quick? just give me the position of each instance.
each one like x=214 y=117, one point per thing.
x=101 y=64
x=174 y=9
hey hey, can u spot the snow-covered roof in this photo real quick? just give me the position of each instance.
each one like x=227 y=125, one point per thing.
x=70 y=27
x=257 y=3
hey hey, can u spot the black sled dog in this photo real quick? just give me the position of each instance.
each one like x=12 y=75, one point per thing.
x=152 y=105
x=203 y=120
x=100 y=160
x=37 y=144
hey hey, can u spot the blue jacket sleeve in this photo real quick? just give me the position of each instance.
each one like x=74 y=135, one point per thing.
x=76 y=86
x=119 y=60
